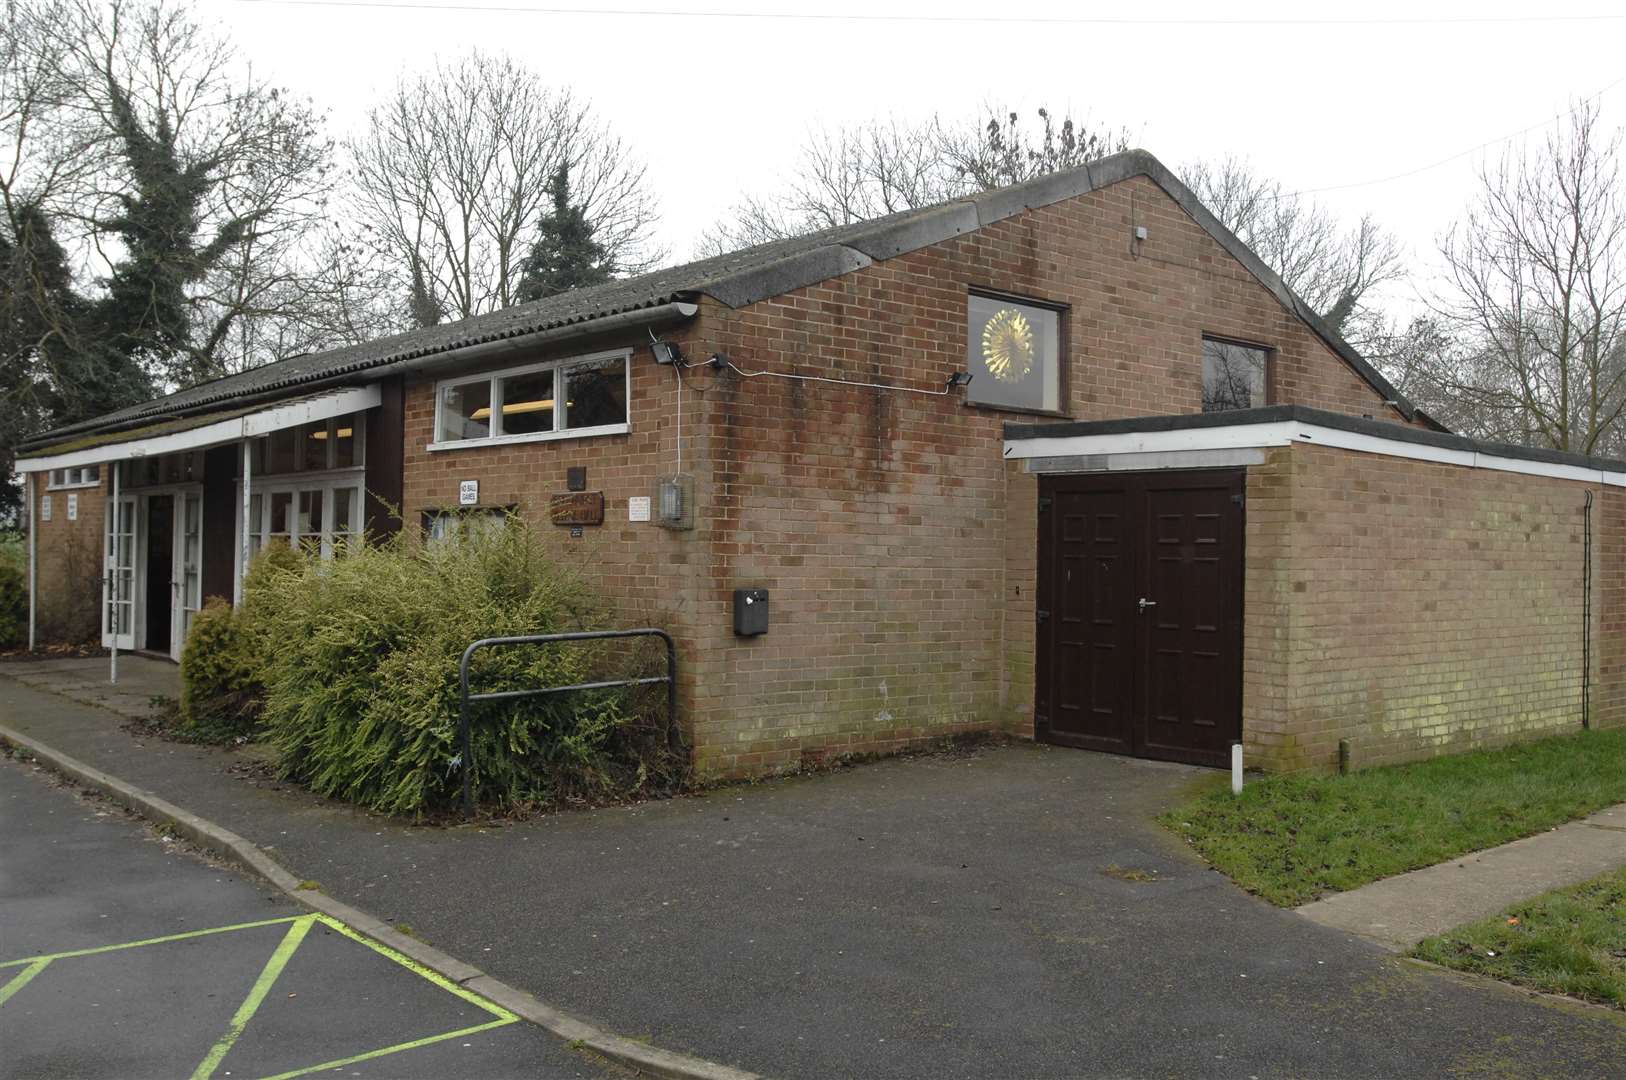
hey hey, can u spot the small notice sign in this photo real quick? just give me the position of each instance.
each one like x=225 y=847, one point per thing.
x=638 y=508
x=45 y=508
x=73 y=506
x=468 y=492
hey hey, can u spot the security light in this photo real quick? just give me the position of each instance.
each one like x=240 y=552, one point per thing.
x=665 y=352
x=959 y=378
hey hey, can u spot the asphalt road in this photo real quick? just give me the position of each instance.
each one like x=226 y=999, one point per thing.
x=236 y=984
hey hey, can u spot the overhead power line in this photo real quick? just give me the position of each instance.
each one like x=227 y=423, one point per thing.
x=1453 y=157
x=881 y=17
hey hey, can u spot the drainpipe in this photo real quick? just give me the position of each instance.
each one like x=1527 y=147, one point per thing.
x=33 y=560
x=113 y=588
x=243 y=552
x=1586 y=614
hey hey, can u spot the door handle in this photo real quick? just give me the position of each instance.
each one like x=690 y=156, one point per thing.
x=1145 y=603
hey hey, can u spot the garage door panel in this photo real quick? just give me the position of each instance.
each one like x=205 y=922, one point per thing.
x=1092 y=684
x=1163 y=679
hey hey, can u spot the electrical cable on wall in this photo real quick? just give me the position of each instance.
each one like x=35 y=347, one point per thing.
x=959 y=378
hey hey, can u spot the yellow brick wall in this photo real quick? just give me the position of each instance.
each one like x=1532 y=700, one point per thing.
x=1412 y=608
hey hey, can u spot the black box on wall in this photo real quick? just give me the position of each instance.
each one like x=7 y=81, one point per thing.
x=750 y=612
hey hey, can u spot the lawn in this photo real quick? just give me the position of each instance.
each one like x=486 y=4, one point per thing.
x=1569 y=941
x=1293 y=838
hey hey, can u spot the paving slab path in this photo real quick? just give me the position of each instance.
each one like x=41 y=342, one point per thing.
x=1400 y=911
x=1012 y=912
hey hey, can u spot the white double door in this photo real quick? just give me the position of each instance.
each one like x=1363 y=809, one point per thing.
x=153 y=584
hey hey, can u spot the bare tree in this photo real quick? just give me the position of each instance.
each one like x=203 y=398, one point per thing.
x=451 y=178
x=1535 y=293
x=199 y=185
x=882 y=167
x=1333 y=268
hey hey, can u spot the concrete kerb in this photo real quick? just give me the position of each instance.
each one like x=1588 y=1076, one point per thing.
x=222 y=841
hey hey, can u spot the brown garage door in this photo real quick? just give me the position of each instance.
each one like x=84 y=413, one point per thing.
x=1140 y=613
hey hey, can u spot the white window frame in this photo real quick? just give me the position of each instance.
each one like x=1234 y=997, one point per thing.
x=331 y=425
x=73 y=477
x=560 y=391
x=291 y=484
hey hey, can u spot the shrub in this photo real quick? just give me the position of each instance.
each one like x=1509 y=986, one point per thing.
x=222 y=662
x=220 y=676
x=13 y=598
x=362 y=679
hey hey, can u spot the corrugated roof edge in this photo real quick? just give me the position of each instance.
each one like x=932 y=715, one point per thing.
x=1303 y=414
x=764 y=271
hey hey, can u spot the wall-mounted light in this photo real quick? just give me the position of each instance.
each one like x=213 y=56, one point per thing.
x=666 y=352
x=959 y=378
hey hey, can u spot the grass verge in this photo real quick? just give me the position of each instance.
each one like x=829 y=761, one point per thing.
x=1293 y=838
x=1569 y=941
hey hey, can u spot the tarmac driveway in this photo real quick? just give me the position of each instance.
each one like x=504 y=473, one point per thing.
x=1010 y=912
x=971 y=915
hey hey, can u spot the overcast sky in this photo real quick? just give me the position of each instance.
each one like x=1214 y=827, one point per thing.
x=719 y=105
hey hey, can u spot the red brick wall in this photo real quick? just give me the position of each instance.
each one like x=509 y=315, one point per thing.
x=70 y=561
x=648 y=571
x=899 y=548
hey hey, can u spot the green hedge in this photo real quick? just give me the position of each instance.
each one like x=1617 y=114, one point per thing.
x=222 y=677
x=360 y=666
x=13 y=595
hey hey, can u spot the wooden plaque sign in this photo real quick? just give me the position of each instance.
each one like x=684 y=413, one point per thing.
x=577 y=508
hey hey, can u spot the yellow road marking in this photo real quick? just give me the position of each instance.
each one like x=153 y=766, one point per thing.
x=21 y=979
x=418 y=969
x=396 y=1049
x=151 y=941
x=297 y=931
x=256 y=996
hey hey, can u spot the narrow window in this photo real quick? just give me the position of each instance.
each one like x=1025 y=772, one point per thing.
x=1013 y=354
x=1234 y=376
x=465 y=411
x=527 y=403
x=597 y=393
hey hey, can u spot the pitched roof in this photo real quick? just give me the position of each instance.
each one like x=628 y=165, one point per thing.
x=735 y=279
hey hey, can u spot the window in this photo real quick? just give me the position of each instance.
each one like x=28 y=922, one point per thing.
x=1234 y=376
x=1013 y=354
x=318 y=517
x=315 y=447
x=83 y=476
x=446 y=526
x=584 y=395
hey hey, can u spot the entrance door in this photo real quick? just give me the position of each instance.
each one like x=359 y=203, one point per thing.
x=188 y=576
x=119 y=581
x=159 y=573
x=1140 y=613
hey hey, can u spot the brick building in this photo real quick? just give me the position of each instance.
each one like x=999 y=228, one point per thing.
x=1170 y=510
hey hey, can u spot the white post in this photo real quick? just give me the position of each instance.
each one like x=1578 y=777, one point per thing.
x=1236 y=768
x=243 y=551
x=113 y=588
x=33 y=560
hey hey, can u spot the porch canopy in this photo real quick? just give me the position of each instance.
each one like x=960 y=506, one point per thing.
x=201 y=432
x=224 y=427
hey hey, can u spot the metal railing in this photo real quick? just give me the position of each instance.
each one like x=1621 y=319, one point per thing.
x=465 y=731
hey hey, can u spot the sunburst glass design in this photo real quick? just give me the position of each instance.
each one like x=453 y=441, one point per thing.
x=1007 y=345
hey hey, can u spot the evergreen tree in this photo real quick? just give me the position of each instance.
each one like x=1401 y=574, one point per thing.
x=565 y=255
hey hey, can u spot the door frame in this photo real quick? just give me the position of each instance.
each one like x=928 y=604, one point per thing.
x=136 y=638
x=1045 y=601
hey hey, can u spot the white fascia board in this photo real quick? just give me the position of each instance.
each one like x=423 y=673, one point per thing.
x=1246 y=436
x=309 y=410
x=276 y=417
x=1153 y=442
